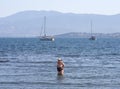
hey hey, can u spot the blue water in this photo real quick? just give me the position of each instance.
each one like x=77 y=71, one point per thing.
x=28 y=63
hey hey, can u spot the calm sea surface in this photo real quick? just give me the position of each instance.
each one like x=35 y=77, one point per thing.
x=28 y=63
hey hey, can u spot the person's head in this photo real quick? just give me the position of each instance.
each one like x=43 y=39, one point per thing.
x=59 y=59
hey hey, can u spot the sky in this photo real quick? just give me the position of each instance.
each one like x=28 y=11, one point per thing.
x=105 y=7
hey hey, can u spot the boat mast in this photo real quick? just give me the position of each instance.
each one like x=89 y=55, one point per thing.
x=91 y=27
x=44 y=25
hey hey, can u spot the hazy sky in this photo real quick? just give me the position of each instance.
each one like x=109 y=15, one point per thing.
x=107 y=7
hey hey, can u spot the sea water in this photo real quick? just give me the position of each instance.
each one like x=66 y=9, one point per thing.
x=28 y=63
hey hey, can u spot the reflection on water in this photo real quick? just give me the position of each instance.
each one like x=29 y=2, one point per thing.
x=60 y=78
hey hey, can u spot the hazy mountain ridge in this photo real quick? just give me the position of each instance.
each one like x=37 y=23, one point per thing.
x=28 y=23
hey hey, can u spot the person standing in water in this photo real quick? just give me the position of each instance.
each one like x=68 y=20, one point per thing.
x=60 y=66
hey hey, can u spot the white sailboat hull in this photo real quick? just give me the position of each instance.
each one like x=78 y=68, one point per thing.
x=47 y=38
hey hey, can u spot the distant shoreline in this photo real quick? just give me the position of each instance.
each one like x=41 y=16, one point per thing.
x=76 y=35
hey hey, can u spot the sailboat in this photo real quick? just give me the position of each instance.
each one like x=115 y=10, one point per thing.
x=45 y=37
x=92 y=36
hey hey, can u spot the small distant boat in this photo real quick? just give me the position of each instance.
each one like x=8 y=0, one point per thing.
x=45 y=37
x=92 y=37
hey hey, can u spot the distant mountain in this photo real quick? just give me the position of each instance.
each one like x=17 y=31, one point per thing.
x=29 y=23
